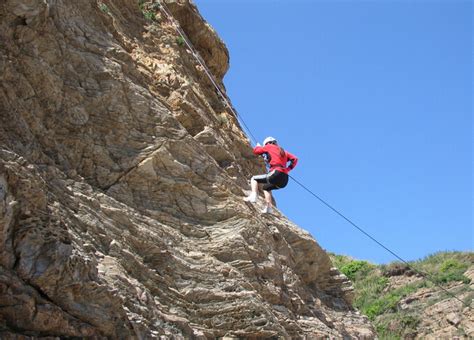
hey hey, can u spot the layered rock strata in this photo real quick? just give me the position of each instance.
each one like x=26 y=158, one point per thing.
x=122 y=174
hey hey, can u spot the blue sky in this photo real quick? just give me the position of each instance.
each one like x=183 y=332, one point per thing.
x=375 y=98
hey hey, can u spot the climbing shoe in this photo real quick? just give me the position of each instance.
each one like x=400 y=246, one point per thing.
x=267 y=210
x=252 y=198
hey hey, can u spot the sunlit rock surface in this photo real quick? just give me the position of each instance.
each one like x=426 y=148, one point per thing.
x=122 y=174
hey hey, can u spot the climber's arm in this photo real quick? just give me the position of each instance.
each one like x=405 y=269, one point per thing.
x=258 y=150
x=292 y=159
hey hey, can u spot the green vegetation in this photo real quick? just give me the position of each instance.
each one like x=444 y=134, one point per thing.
x=222 y=119
x=149 y=15
x=356 y=268
x=452 y=270
x=104 y=8
x=375 y=305
x=180 y=41
x=380 y=299
x=397 y=326
x=148 y=9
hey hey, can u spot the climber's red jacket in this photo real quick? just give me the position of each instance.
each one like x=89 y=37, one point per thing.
x=277 y=157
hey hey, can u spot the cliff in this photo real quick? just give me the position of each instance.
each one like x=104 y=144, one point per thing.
x=122 y=175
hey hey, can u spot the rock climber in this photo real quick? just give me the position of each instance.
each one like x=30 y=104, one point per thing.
x=277 y=177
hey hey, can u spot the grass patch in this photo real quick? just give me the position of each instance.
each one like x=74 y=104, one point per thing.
x=397 y=326
x=368 y=290
x=434 y=262
x=388 y=302
x=445 y=267
x=452 y=270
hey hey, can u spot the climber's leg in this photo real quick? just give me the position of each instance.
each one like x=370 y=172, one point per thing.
x=268 y=202
x=254 y=186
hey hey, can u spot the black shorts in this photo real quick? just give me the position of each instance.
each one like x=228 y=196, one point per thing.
x=273 y=180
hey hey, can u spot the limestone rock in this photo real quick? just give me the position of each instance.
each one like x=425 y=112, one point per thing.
x=453 y=319
x=121 y=182
x=440 y=316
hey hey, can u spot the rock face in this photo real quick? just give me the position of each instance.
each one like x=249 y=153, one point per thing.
x=439 y=315
x=121 y=182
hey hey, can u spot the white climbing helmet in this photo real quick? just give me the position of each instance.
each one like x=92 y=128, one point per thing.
x=269 y=140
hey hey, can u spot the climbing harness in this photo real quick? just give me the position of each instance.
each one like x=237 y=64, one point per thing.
x=198 y=58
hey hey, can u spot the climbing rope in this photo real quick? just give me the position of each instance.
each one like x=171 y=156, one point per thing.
x=239 y=117
x=201 y=62
x=424 y=275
